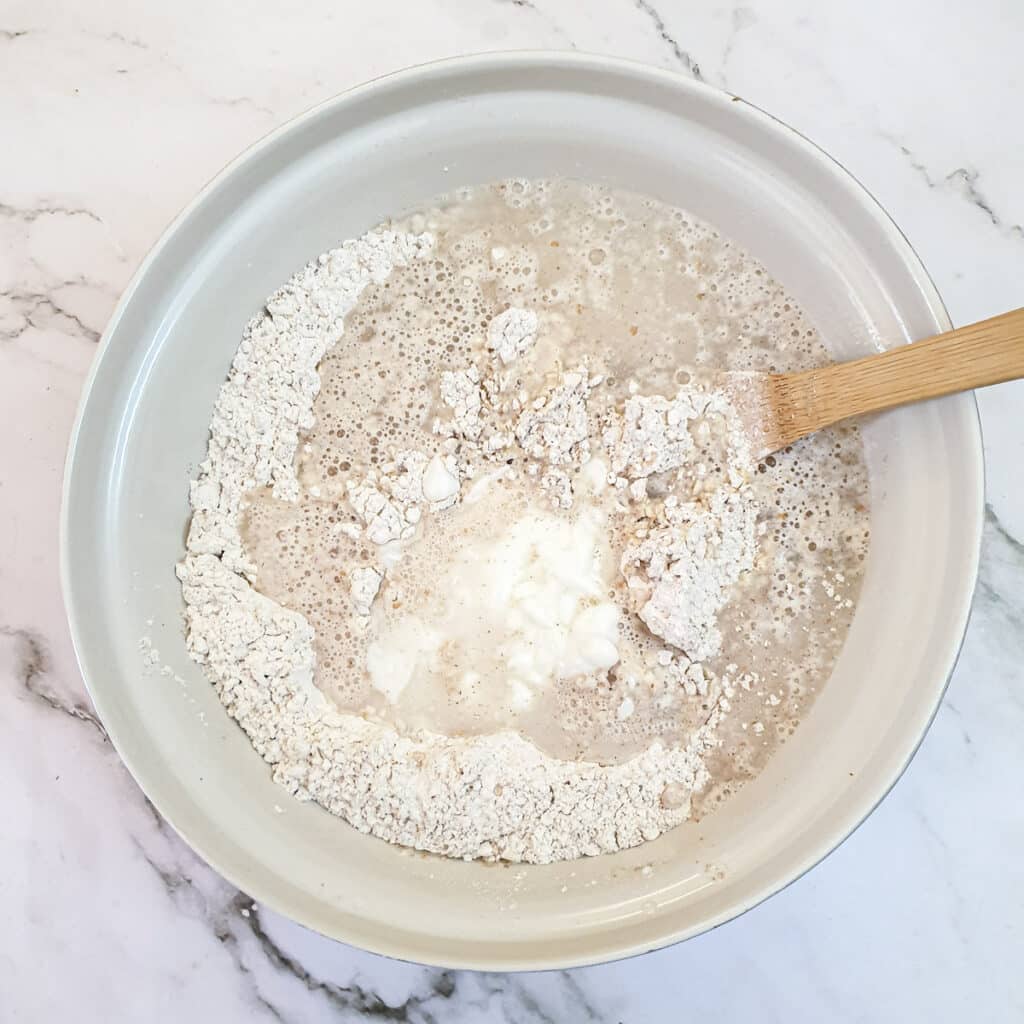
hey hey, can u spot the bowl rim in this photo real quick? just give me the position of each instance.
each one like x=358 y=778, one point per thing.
x=609 y=950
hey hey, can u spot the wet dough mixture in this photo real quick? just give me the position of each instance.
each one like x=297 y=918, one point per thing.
x=479 y=558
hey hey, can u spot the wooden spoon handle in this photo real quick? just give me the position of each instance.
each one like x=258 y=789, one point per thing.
x=974 y=356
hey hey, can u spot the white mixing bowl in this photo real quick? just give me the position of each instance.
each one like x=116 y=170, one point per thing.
x=332 y=174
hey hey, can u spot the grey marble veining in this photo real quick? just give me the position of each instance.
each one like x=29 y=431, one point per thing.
x=114 y=116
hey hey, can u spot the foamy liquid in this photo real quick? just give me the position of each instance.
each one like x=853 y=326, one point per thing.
x=641 y=290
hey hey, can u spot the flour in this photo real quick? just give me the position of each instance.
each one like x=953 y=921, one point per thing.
x=688 y=554
x=364 y=585
x=651 y=437
x=460 y=391
x=403 y=480
x=490 y=796
x=388 y=501
x=554 y=428
x=555 y=431
x=679 y=573
x=536 y=591
x=384 y=520
x=512 y=333
x=477 y=567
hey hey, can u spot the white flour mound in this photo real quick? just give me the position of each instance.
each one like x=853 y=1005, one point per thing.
x=680 y=571
x=491 y=796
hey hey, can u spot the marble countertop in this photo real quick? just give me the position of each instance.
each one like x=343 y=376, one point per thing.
x=113 y=115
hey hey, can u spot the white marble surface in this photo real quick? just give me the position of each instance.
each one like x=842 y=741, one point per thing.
x=113 y=115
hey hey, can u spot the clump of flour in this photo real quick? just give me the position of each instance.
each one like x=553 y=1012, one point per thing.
x=512 y=333
x=494 y=795
x=679 y=573
x=683 y=561
x=554 y=430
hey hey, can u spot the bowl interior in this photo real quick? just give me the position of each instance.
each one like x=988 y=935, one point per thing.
x=330 y=176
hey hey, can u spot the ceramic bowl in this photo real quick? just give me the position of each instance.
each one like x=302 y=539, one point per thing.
x=330 y=175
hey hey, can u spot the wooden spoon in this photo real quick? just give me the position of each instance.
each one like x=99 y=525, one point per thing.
x=780 y=408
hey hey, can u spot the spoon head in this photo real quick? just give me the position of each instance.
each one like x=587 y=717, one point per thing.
x=752 y=396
